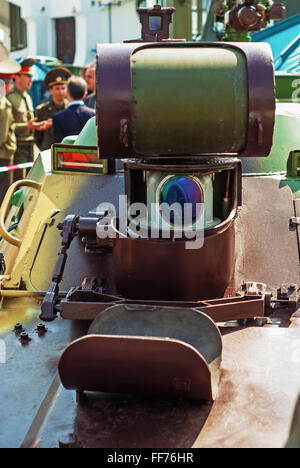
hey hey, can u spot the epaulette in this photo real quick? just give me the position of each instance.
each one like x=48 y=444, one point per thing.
x=9 y=104
x=42 y=105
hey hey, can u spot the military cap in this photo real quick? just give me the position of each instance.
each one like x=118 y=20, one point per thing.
x=57 y=76
x=8 y=68
x=26 y=66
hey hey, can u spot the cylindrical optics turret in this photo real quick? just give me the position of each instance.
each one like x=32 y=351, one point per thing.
x=179 y=114
x=180 y=100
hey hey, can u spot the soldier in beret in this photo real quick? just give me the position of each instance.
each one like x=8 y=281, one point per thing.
x=25 y=123
x=55 y=81
x=8 y=143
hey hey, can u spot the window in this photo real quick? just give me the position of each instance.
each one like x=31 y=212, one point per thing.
x=79 y=159
x=18 y=29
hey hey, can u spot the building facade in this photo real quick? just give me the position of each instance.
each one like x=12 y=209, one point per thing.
x=4 y=29
x=70 y=29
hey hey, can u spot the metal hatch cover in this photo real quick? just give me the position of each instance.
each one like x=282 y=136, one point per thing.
x=146 y=350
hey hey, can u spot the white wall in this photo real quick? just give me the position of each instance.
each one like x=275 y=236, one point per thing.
x=81 y=33
x=63 y=8
x=28 y=12
x=4 y=26
x=91 y=20
x=124 y=20
x=126 y=23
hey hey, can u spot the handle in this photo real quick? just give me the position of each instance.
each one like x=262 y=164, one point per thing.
x=6 y=204
x=260 y=130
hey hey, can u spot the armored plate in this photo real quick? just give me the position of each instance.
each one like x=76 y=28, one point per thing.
x=266 y=245
x=146 y=350
x=258 y=391
x=259 y=383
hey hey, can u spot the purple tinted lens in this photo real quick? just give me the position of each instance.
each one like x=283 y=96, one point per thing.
x=182 y=190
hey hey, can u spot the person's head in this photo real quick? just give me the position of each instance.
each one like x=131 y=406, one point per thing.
x=56 y=81
x=24 y=79
x=58 y=93
x=23 y=82
x=8 y=68
x=5 y=86
x=76 y=89
x=90 y=78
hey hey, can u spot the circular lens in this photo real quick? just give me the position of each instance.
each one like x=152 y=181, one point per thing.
x=185 y=193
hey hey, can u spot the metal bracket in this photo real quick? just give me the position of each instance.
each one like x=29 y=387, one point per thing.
x=70 y=228
x=86 y=305
x=288 y=296
x=251 y=302
x=295 y=221
x=2 y=264
x=69 y=231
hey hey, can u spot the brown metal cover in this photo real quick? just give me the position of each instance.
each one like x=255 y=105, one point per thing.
x=262 y=99
x=114 y=96
x=166 y=270
x=126 y=364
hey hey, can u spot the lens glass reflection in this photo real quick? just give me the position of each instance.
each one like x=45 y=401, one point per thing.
x=155 y=23
x=182 y=190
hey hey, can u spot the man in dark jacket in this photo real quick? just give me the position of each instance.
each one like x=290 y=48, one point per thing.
x=72 y=120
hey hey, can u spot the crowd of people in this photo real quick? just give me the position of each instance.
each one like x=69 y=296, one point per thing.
x=71 y=105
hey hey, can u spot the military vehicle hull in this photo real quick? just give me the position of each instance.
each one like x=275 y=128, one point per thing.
x=231 y=381
x=258 y=386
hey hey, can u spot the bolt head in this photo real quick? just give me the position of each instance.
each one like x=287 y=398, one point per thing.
x=24 y=337
x=18 y=328
x=41 y=328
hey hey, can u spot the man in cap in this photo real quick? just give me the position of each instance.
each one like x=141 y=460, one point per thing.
x=8 y=143
x=56 y=81
x=25 y=123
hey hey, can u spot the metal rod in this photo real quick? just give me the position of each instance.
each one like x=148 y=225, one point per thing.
x=15 y=167
x=21 y=293
x=199 y=16
x=109 y=23
x=26 y=293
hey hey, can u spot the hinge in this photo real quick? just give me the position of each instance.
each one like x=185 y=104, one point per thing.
x=295 y=221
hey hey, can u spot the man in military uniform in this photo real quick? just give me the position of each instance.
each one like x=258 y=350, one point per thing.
x=55 y=81
x=23 y=111
x=8 y=143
